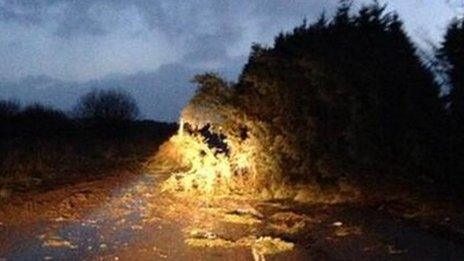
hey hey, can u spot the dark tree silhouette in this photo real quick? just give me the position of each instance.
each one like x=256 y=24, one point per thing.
x=9 y=108
x=451 y=55
x=110 y=105
x=351 y=87
x=339 y=94
x=37 y=120
x=451 y=60
x=39 y=111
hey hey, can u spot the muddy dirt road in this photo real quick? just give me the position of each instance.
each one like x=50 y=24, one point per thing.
x=129 y=218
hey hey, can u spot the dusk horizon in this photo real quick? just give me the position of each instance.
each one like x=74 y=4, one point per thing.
x=55 y=51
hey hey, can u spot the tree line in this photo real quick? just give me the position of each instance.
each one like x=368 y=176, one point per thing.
x=40 y=145
x=345 y=95
x=97 y=105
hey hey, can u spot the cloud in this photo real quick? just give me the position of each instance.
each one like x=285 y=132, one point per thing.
x=77 y=42
x=24 y=12
x=80 y=17
x=87 y=39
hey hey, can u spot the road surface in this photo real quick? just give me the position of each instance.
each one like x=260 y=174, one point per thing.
x=129 y=218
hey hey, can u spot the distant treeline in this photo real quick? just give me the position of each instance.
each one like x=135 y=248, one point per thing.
x=342 y=96
x=105 y=105
x=109 y=110
x=40 y=146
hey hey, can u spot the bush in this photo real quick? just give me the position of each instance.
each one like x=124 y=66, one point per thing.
x=41 y=112
x=107 y=105
x=9 y=108
x=37 y=120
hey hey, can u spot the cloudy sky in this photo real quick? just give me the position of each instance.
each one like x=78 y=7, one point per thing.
x=52 y=51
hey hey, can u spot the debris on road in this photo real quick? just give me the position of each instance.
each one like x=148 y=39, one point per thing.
x=57 y=242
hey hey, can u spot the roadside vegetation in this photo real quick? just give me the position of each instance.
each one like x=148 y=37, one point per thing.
x=333 y=107
x=41 y=147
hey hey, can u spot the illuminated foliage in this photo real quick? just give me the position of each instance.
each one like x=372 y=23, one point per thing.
x=312 y=108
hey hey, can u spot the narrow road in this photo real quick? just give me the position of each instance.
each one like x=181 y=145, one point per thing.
x=131 y=219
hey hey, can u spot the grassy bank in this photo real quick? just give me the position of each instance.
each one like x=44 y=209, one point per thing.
x=39 y=153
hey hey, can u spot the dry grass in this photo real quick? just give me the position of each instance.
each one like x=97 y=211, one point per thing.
x=79 y=152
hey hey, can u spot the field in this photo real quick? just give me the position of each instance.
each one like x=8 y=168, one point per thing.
x=40 y=154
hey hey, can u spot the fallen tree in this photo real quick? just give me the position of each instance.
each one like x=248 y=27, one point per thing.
x=309 y=112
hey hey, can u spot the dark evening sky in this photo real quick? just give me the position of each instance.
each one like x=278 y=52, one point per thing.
x=52 y=51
